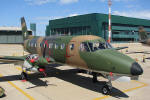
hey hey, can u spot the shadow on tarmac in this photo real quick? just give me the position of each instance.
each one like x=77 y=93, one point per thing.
x=66 y=75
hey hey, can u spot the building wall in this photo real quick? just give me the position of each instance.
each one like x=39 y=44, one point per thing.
x=12 y=37
x=123 y=28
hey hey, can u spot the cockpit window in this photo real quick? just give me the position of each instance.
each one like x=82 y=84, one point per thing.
x=108 y=45
x=94 y=46
x=84 y=47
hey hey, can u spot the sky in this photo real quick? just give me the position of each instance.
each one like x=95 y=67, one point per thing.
x=41 y=11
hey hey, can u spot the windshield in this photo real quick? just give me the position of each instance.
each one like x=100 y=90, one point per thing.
x=94 y=46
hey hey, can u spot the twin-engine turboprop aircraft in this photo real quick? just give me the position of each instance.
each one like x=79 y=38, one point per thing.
x=87 y=52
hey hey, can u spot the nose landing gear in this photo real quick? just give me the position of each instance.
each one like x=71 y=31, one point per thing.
x=107 y=88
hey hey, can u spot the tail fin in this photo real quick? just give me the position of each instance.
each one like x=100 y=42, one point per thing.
x=142 y=33
x=24 y=29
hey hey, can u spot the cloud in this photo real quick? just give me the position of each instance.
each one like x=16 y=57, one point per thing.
x=68 y=1
x=41 y=2
x=73 y=15
x=137 y=14
x=117 y=0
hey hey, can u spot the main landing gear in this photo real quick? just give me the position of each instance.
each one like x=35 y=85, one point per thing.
x=107 y=88
x=94 y=79
x=24 y=76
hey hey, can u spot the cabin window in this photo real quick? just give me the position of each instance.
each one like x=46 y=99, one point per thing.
x=71 y=46
x=50 y=45
x=56 y=46
x=84 y=47
x=62 y=46
x=35 y=44
x=31 y=44
x=44 y=45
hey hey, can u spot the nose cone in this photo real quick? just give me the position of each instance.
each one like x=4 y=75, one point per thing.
x=136 y=69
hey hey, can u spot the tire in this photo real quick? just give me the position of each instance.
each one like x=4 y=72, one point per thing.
x=23 y=76
x=105 y=90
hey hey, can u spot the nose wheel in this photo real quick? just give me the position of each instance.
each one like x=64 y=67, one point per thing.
x=107 y=88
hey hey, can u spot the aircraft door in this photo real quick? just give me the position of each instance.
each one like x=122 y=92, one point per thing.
x=71 y=52
x=71 y=49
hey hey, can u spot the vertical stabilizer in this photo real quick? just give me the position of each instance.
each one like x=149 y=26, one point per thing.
x=24 y=29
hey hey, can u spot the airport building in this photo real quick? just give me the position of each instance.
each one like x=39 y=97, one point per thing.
x=124 y=29
x=11 y=35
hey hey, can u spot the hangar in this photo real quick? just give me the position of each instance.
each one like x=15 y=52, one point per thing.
x=11 y=35
x=124 y=29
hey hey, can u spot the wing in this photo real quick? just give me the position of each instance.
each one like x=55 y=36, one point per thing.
x=12 y=59
x=144 y=52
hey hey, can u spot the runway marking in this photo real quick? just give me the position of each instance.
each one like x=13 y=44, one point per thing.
x=107 y=96
x=20 y=90
x=127 y=90
x=20 y=69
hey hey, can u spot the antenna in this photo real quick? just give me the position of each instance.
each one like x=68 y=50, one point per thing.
x=109 y=20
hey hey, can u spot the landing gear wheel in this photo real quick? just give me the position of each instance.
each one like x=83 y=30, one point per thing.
x=106 y=90
x=24 y=76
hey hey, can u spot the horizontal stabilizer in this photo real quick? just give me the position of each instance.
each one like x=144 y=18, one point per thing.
x=120 y=48
x=11 y=59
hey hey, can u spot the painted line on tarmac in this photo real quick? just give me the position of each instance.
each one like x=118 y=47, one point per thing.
x=20 y=90
x=20 y=69
x=127 y=90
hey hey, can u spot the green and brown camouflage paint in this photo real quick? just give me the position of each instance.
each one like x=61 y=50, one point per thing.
x=107 y=60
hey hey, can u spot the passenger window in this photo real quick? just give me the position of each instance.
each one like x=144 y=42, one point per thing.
x=62 y=46
x=51 y=45
x=56 y=46
x=71 y=46
x=35 y=44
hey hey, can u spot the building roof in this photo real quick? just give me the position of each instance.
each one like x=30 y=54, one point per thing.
x=11 y=29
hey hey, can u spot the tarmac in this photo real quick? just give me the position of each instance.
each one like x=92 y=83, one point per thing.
x=65 y=83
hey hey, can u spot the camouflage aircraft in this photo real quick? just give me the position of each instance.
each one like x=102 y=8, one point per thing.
x=143 y=36
x=144 y=39
x=87 y=52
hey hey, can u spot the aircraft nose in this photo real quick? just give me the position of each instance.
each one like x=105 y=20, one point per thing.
x=136 y=69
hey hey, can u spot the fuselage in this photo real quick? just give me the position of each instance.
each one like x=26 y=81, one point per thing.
x=86 y=52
